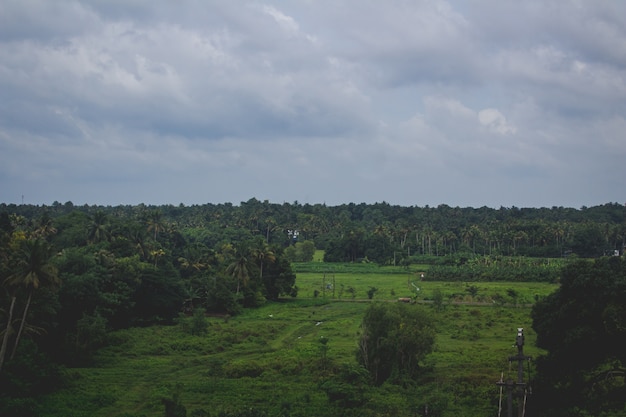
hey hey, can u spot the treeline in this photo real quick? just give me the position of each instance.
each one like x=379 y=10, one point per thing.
x=385 y=233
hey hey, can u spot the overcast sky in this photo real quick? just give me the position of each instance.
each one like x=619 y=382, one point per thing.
x=466 y=103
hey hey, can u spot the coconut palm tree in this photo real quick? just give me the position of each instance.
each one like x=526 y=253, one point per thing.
x=44 y=227
x=32 y=271
x=98 y=227
x=239 y=269
x=155 y=222
x=262 y=254
x=8 y=331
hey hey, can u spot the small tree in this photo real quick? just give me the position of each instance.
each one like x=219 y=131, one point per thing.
x=371 y=292
x=91 y=333
x=438 y=299
x=306 y=250
x=323 y=350
x=394 y=339
x=199 y=324
x=351 y=291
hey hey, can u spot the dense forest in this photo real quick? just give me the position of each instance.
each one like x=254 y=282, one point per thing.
x=379 y=232
x=70 y=274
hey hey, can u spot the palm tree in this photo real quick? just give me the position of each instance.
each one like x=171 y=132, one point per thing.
x=45 y=227
x=197 y=258
x=137 y=235
x=155 y=223
x=239 y=268
x=262 y=253
x=33 y=270
x=156 y=254
x=8 y=331
x=98 y=227
x=270 y=226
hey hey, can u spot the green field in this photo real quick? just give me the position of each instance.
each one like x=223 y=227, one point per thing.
x=393 y=286
x=269 y=358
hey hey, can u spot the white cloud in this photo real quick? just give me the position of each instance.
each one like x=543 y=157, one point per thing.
x=286 y=22
x=495 y=121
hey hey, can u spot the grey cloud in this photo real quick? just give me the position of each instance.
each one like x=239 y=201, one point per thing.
x=42 y=21
x=427 y=102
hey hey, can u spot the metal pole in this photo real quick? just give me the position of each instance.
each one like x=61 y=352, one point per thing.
x=519 y=386
x=520 y=371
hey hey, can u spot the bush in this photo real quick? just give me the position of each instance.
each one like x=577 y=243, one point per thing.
x=199 y=323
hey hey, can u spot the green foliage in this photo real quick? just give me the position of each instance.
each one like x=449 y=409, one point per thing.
x=472 y=290
x=91 y=334
x=31 y=270
x=343 y=268
x=394 y=339
x=347 y=388
x=199 y=324
x=486 y=268
x=371 y=292
x=392 y=286
x=438 y=299
x=268 y=360
x=352 y=291
x=142 y=265
x=173 y=405
x=582 y=325
x=278 y=279
x=300 y=251
x=323 y=350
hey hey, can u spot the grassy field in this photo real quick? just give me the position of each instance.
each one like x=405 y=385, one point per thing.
x=393 y=286
x=270 y=359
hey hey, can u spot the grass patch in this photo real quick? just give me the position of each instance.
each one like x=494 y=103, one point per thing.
x=334 y=286
x=270 y=358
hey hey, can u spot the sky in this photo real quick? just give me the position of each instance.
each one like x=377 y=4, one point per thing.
x=468 y=103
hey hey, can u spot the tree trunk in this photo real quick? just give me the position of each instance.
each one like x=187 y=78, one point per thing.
x=7 y=333
x=19 y=333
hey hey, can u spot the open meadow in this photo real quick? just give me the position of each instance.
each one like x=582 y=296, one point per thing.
x=271 y=361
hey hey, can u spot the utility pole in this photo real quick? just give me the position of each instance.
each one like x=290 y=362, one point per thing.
x=516 y=388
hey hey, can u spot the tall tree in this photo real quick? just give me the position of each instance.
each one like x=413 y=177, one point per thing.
x=239 y=268
x=98 y=229
x=582 y=325
x=262 y=254
x=32 y=271
x=155 y=222
x=279 y=278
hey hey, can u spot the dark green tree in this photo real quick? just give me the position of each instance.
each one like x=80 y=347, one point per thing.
x=155 y=223
x=278 y=279
x=98 y=227
x=262 y=255
x=394 y=339
x=32 y=270
x=239 y=268
x=582 y=325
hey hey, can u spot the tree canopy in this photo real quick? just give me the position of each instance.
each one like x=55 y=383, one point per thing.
x=394 y=339
x=583 y=327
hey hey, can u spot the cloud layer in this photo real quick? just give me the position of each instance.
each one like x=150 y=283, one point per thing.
x=483 y=103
